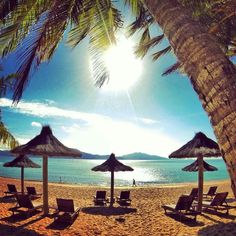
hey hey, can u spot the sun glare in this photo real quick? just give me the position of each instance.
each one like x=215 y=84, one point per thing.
x=123 y=66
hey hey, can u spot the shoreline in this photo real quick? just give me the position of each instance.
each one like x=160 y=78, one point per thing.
x=164 y=185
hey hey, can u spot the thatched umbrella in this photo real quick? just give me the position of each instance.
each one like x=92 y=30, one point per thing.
x=112 y=165
x=46 y=144
x=200 y=146
x=22 y=162
x=194 y=167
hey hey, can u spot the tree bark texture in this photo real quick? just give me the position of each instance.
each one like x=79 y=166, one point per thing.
x=212 y=74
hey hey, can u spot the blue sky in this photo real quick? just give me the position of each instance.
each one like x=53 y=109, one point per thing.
x=155 y=115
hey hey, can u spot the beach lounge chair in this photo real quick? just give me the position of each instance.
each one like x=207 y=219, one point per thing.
x=100 y=198
x=124 y=198
x=218 y=203
x=194 y=193
x=183 y=207
x=211 y=192
x=25 y=205
x=33 y=193
x=66 y=212
x=11 y=190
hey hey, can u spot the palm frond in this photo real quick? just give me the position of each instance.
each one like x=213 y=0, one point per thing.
x=40 y=45
x=158 y=54
x=7 y=6
x=146 y=45
x=143 y=19
x=141 y=50
x=105 y=21
x=172 y=69
x=99 y=70
x=136 y=6
x=6 y=138
x=6 y=82
x=18 y=23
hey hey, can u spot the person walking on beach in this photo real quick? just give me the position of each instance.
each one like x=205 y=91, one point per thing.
x=134 y=183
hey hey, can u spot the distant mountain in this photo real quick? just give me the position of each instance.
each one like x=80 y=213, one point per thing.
x=140 y=156
x=86 y=155
x=5 y=153
x=131 y=156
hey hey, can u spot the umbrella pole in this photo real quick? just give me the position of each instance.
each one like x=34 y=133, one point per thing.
x=112 y=188
x=45 y=185
x=200 y=182
x=22 y=180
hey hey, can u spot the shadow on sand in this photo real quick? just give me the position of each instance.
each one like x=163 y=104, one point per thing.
x=220 y=214
x=60 y=225
x=228 y=229
x=8 y=199
x=17 y=231
x=185 y=220
x=21 y=217
x=108 y=211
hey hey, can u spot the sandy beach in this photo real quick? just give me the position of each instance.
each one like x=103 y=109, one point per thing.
x=144 y=217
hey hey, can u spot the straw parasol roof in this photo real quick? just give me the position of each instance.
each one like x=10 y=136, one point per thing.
x=112 y=165
x=22 y=162
x=194 y=167
x=199 y=145
x=46 y=144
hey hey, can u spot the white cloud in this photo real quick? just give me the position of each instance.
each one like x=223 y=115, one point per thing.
x=36 y=124
x=120 y=137
x=148 y=121
x=98 y=133
x=45 y=110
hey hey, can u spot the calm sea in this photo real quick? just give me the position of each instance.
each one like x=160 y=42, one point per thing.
x=78 y=171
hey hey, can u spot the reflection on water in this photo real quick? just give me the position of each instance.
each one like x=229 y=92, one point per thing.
x=145 y=172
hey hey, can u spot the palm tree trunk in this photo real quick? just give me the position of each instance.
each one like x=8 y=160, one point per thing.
x=211 y=73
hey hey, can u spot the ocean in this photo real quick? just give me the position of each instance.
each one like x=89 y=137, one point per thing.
x=146 y=172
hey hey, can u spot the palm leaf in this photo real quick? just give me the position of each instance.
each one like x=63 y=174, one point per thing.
x=7 y=6
x=18 y=23
x=99 y=71
x=158 y=54
x=145 y=45
x=40 y=45
x=172 y=69
x=6 y=138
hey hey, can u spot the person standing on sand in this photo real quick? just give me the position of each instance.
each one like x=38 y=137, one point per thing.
x=134 y=183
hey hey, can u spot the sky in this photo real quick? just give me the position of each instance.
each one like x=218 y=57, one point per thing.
x=154 y=115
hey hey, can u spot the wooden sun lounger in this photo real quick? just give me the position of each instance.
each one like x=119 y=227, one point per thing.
x=211 y=192
x=183 y=207
x=218 y=203
x=66 y=212
x=24 y=205
x=11 y=190
x=194 y=193
x=124 y=198
x=33 y=193
x=100 y=198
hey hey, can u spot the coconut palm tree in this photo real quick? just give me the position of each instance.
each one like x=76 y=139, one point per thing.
x=36 y=27
x=211 y=73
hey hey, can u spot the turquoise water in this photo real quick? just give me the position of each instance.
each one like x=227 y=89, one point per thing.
x=78 y=171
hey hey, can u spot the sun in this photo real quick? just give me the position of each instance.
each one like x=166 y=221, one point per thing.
x=123 y=66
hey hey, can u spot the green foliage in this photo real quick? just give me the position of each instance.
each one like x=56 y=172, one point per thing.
x=34 y=28
x=6 y=138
